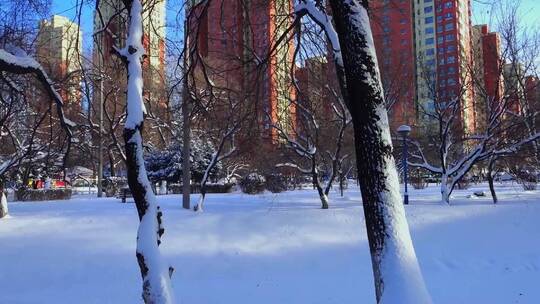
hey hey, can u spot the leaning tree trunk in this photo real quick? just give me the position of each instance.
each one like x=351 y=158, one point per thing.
x=156 y=288
x=397 y=275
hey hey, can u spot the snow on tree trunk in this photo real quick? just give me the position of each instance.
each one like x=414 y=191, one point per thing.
x=163 y=187
x=3 y=204
x=155 y=275
x=397 y=275
x=317 y=184
x=445 y=192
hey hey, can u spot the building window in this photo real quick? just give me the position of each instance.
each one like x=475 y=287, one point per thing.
x=449 y=27
x=448 y=5
x=430 y=52
x=451 y=59
x=402 y=31
x=450 y=48
x=429 y=30
x=439 y=18
x=439 y=29
x=430 y=62
x=451 y=81
x=429 y=41
x=451 y=70
x=428 y=1
x=428 y=9
x=450 y=37
x=429 y=20
x=440 y=40
x=403 y=21
x=441 y=61
x=403 y=42
x=448 y=16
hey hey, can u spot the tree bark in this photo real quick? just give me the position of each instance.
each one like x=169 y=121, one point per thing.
x=317 y=184
x=396 y=271
x=3 y=204
x=156 y=288
x=490 y=176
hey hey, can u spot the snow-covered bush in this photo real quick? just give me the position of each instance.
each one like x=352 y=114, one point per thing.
x=276 y=183
x=167 y=164
x=253 y=183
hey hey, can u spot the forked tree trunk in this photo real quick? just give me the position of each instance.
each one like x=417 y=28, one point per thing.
x=156 y=288
x=397 y=275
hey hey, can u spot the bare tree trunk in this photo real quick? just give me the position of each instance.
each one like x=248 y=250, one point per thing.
x=490 y=177
x=317 y=184
x=156 y=288
x=3 y=204
x=397 y=275
x=445 y=193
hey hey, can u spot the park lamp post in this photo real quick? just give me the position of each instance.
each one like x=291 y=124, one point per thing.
x=404 y=131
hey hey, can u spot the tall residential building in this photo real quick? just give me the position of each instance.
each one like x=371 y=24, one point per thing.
x=487 y=73
x=112 y=14
x=393 y=32
x=59 y=45
x=233 y=51
x=435 y=36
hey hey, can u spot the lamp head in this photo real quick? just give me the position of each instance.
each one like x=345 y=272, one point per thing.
x=404 y=130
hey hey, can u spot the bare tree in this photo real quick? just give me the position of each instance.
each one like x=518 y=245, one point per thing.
x=156 y=286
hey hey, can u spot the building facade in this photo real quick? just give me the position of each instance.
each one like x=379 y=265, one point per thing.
x=110 y=24
x=393 y=31
x=429 y=42
x=233 y=50
x=59 y=47
x=487 y=73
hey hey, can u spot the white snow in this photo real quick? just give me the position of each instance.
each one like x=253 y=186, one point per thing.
x=3 y=205
x=270 y=248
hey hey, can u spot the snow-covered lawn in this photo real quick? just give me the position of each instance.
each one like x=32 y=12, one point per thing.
x=271 y=248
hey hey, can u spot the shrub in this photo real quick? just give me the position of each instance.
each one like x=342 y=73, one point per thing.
x=25 y=194
x=276 y=183
x=253 y=183
x=219 y=188
x=464 y=183
x=417 y=180
x=527 y=179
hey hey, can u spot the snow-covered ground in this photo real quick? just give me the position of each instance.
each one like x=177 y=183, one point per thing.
x=270 y=248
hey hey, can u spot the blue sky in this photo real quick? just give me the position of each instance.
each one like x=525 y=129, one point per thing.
x=529 y=10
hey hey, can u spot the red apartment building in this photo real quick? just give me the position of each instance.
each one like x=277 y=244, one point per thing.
x=392 y=26
x=230 y=44
x=424 y=53
x=488 y=71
